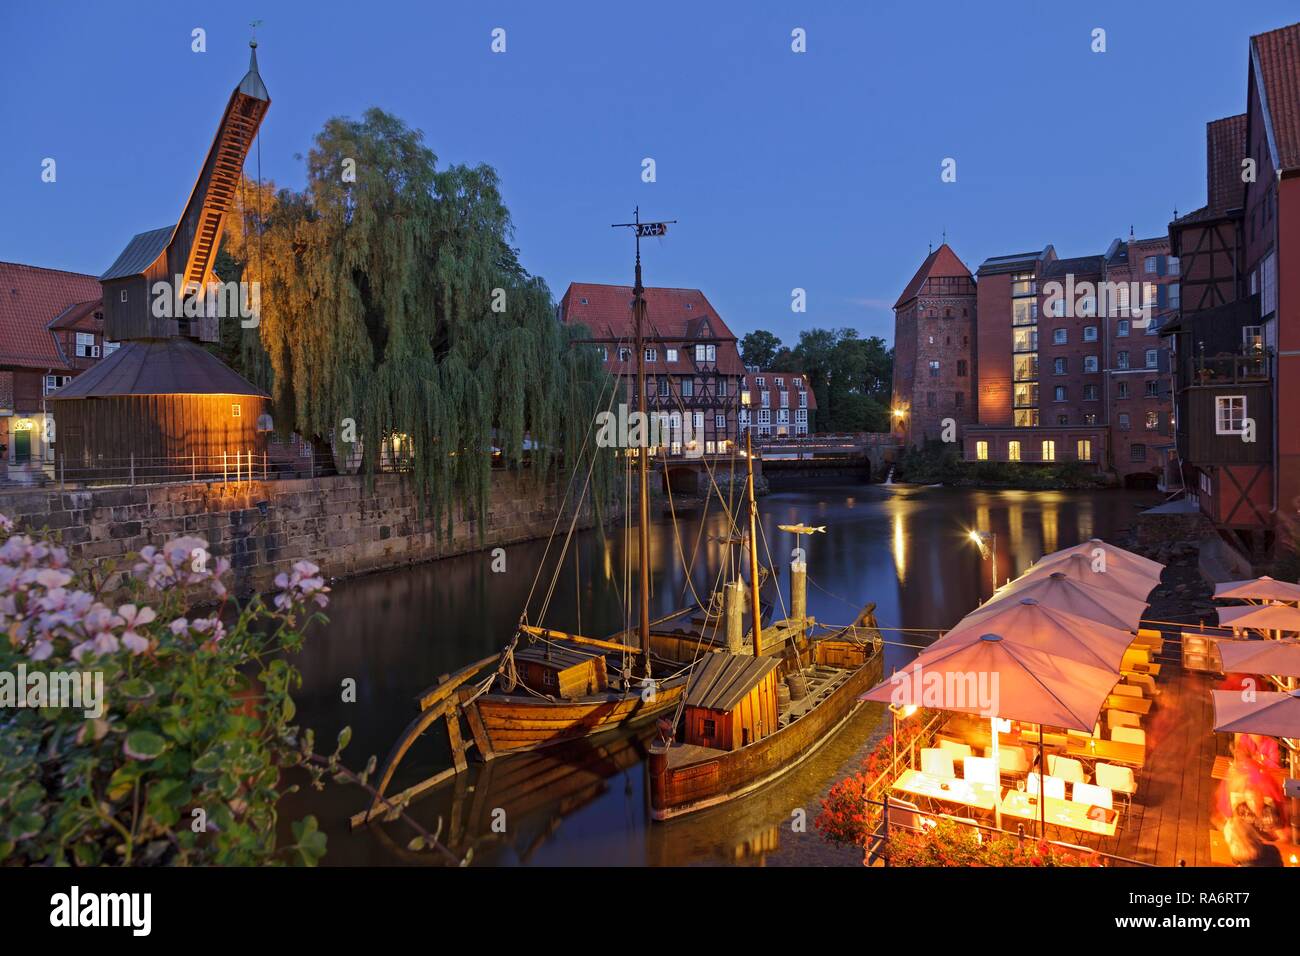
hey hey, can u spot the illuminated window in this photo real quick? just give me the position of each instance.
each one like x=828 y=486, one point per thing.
x=234 y=411
x=1049 y=450
x=1013 y=451
x=982 y=450
x=1085 y=450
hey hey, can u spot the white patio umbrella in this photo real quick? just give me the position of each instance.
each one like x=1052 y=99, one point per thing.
x=1020 y=682
x=1261 y=657
x=1118 y=557
x=1262 y=588
x=1110 y=576
x=1271 y=713
x=1264 y=617
x=1065 y=593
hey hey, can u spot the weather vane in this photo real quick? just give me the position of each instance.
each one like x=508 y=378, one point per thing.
x=252 y=29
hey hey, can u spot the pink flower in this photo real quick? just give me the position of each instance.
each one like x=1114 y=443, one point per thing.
x=131 y=616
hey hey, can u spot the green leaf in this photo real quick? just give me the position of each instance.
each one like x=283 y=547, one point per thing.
x=137 y=688
x=210 y=762
x=345 y=738
x=143 y=745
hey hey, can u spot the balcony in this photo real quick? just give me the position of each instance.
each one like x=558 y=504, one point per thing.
x=1226 y=368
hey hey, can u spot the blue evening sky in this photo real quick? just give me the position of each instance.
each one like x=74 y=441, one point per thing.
x=818 y=170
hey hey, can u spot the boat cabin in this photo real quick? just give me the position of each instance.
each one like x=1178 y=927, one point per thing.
x=731 y=701
x=561 y=672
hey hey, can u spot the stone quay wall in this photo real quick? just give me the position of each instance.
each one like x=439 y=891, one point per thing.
x=263 y=527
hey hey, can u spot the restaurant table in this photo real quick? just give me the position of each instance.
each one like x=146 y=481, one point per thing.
x=917 y=783
x=1061 y=813
x=1110 y=751
x=1129 y=705
x=1223 y=763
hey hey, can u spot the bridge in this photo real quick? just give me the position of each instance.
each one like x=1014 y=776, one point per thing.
x=787 y=460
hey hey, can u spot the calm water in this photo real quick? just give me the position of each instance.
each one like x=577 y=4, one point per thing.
x=904 y=548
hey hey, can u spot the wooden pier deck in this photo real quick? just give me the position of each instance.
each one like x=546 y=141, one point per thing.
x=1170 y=820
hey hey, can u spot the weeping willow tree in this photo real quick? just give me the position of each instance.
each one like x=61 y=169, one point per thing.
x=392 y=299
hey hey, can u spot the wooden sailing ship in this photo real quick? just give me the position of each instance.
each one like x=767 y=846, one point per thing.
x=748 y=718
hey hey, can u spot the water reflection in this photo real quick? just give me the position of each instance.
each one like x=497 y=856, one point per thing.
x=907 y=549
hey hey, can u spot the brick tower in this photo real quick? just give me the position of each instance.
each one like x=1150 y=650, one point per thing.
x=934 y=350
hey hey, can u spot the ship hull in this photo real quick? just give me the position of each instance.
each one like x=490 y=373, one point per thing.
x=681 y=786
x=511 y=723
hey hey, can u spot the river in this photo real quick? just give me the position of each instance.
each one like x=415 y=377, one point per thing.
x=906 y=548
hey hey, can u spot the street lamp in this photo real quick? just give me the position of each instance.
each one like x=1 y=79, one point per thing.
x=988 y=545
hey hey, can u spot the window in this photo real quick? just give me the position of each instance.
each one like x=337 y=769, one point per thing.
x=1137 y=452
x=780 y=384
x=549 y=679
x=1025 y=395
x=1153 y=420
x=742 y=416
x=1090 y=333
x=1123 y=421
x=55 y=382
x=121 y=296
x=1151 y=265
x=764 y=416
x=664 y=389
x=1023 y=283
x=604 y=354
x=783 y=415
x=801 y=415
x=1024 y=340
x=803 y=399
x=1062 y=419
x=1090 y=363
x=1024 y=312
x=688 y=388
x=1090 y=393
x=1049 y=450
x=234 y=410
x=1152 y=388
x=1084 y=449
x=1123 y=328
x=1026 y=418
x=652 y=355
x=1152 y=358
x=934 y=369
x=764 y=398
x=1121 y=390
x=1268 y=285
x=670 y=355
x=1121 y=359
x=1090 y=418
x=1171 y=264
x=961 y=368
x=1013 y=450
x=1229 y=414
x=1059 y=337
x=1252 y=337
x=86 y=345
x=111 y=347
x=982 y=451
x=624 y=354
x=761 y=382
x=1175 y=295
x=1059 y=393
x=706 y=353
x=1059 y=366
x=785 y=399
x=709 y=727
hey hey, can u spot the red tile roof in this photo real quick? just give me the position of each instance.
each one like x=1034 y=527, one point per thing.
x=943 y=262
x=790 y=378
x=1225 y=146
x=30 y=299
x=678 y=318
x=1277 y=57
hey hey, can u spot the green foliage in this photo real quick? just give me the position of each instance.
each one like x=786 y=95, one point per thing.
x=759 y=348
x=396 y=301
x=184 y=764
x=957 y=844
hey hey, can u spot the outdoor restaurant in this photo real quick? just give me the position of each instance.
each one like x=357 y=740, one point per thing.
x=1058 y=712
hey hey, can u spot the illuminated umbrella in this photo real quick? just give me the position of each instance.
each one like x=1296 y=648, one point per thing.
x=1264 y=617
x=1028 y=622
x=1262 y=588
x=1115 y=578
x=1261 y=657
x=1062 y=592
x=1271 y=713
x=1115 y=557
x=994 y=676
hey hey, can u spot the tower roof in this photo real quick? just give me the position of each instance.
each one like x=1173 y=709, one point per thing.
x=251 y=84
x=942 y=263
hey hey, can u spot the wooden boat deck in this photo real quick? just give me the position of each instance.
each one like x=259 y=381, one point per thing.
x=820 y=686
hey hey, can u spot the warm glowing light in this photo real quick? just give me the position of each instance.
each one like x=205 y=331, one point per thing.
x=899 y=413
x=900 y=548
x=975 y=536
x=744 y=397
x=24 y=425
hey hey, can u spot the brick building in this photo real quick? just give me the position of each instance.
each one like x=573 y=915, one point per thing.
x=934 y=330
x=51 y=328
x=1236 y=337
x=1042 y=359
x=693 y=369
x=781 y=404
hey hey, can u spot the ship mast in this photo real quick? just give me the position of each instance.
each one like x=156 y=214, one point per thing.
x=753 y=540
x=642 y=455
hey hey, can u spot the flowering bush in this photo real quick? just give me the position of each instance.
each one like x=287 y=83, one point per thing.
x=174 y=751
x=956 y=844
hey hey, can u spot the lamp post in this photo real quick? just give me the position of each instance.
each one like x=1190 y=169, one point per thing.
x=989 y=540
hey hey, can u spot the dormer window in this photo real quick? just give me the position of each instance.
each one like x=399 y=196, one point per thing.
x=583 y=301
